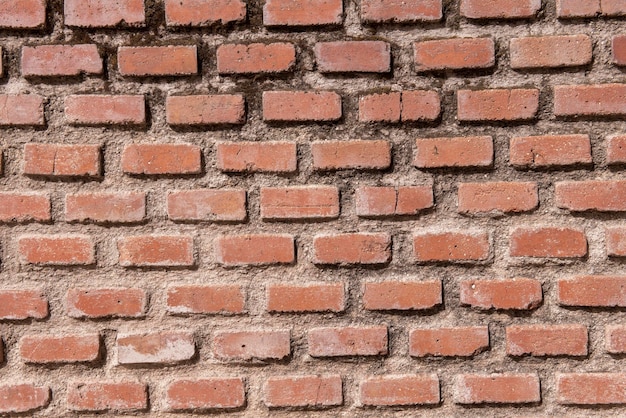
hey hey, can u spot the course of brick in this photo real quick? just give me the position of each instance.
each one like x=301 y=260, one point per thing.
x=313 y=208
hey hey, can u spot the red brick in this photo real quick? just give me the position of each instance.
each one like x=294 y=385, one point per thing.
x=511 y=294
x=252 y=345
x=156 y=250
x=577 y=8
x=105 y=207
x=57 y=250
x=373 y=202
x=546 y=340
x=99 y=14
x=22 y=14
x=21 y=110
x=57 y=160
x=613 y=7
x=302 y=202
x=209 y=299
x=346 y=155
x=420 y=105
x=383 y=107
x=46 y=349
x=161 y=159
x=60 y=60
x=601 y=196
x=255 y=58
x=498 y=197
x=96 y=109
x=255 y=250
x=302 y=12
x=615 y=339
x=202 y=110
x=454 y=152
x=22 y=304
x=550 y=51
x=497 y=105
x=204 y=12
x=618 y=47
x=353 y=56
x=511 y=388
x=213 y=205
x=454 y=54
x=400 y=390
x=591 y=388
x=592 y=291
x=550 y=151
x=157 y=60
x=590 y=100
x=24 y=207
x=380 y=11
x=616 y=149
x=106 y=303
x=315 y=297
x=615 y=238
x=451 y=246
x=301 y=106
x=500 y=9
x=448 y=342
x=304 y=391
x=402 y=296
x=349 y=249
x=548 y=242
x=101 y=397
x=263 y=157
x=165 y=347
x=348 y=341
x=205 y=394
x=23 y=398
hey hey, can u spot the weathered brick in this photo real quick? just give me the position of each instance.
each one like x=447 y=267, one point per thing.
x=105 y=207
x=348 y=341
x=212 y=205
x=497 y=197
x=255 y=250
x=163 y=348
x=591 y=388
x=615 y=339
x=577 y=8
x=408 y=106
x=590 y=100
x=205 y=394
x=400 y=390
x=302 y=12
x=102 y=14
x=613 y=7
x=57 y=250
x=22 y=14
x=601 y=196
x=204 y=12
x=546 y=340
x=156 y=251
x=374 y=202
x=454 y=152
x=350 y=249
x=106 y=303
x=208 y=299
x=315 y=297
x=448 y=342
x=451 y=246
x=550 y=242
x=550 y=51
x=161 y=159
x=616 y=149
x=157 y=60
x=497 y=105
x=454 y=54
x=383 y=107
x=381 y=11
x=92 y=109
x=21 y=110
x=60 y=60
x=102 y=397
x=402 y=296
x=24 y=207
x=592 y=291
x=511 y=294
x=615 y=238
x=500 y=9
x=255 y=58
x=420 y=106
x=252 y=345
x=263 y=157
x=511 y=388
x=22 y=304
x=301 y=106
x=199 y=110
x=302 y=203
x=304 y=391
x=48 y=349
x=345 y=155
x=23 y=398
x=550 y=151
x=353 y=56
x=58 y=160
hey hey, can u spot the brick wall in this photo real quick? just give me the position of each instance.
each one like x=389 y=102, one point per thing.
x=367 y=208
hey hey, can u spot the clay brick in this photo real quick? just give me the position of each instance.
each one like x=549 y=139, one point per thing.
x=24 y=207
x=157 y=60
x=616 y=150
x=103 y=397
x=592 y=291
x=618 y=48
x=454 y=54
x=60 y=60
x=591 y=388
x=511 y=294
x=384 y=107
x=95 y=110
x=497 y=105
x=546 y=340
x=251 y=157
x=17 y=305
x=21 y=110
x=601 y=196
x=615 y=339
x=302 y=12
x=212 y=205
x=315 y=297
x=500 y=9
x=510 y=388
x=577 y=8
x=205 y=394
x=448 y=342
x=613 y=7
x=23 y=398
x=400 y=390
x=255 y=58
x=550 y=151
x=550 y=51
x=57 y=160
x=420 y=106
x=162 y=348
x=48 y=349
x=106 y=303
x=304 y=391
x=209 y=299
x=350 y=249
x=301 y=106
x=252 y=345
x=202 y=110
x=590 y=100
x=57 y=250
x=381 y=11
x=353 y=56
x=204 y=12
x=454 y=152
x=22 y=14
x=451 y=246
x=550 y=242
x=374 y=202
x=301 y=203
x=161 y=159
x=497 y=197
x=156 y=251
x=102 y=14
x=106 y=207
x=348 y=341
x=615 y=238
x=346 y=155
x=255 y=250
x=402 y=296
